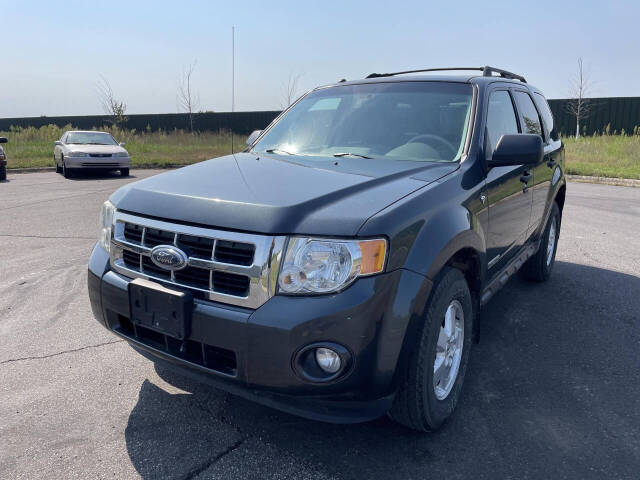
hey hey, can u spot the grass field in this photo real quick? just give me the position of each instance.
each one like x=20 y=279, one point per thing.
x=599 y=155
x=604 y=156
x=32 y=147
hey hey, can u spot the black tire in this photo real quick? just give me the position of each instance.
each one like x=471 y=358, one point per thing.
x=55 y=164
x=66 y=172
x=538 y=268
x=124 y=172
x=416 y=404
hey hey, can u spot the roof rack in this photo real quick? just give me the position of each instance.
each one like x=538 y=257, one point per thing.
x=486 y=72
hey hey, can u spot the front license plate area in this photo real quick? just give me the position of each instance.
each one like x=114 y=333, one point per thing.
x=159 y=308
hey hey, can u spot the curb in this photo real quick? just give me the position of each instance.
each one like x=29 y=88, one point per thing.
x=53 y=169
x=31 y=170
x=620 y=182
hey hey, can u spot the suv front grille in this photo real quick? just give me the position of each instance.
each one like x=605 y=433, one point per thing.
x=229 y=267
x=233 y=252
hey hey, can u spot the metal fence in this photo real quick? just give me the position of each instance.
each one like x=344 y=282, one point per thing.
x=239 y=122
x=618 y=113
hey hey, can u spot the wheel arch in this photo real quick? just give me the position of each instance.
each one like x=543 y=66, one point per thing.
x=440 y=238
x=468 y=261
x=465 y=252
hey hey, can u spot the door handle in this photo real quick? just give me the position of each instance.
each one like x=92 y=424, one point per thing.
x=551 y=163
x=526 y=176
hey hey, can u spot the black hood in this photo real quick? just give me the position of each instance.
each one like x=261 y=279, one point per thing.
x=278 y=194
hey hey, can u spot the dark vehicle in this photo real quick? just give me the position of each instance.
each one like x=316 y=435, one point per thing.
x=336 y=268
x=3 y=161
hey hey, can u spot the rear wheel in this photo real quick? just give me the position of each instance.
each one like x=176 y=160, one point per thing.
x=124 y=172
x=538 y=268
x=433 y=380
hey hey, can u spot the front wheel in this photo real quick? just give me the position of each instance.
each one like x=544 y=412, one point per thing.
x=433 y=380
x=124 y=172
x=66 y=172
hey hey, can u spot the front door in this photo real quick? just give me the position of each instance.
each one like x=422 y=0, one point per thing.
x=508 y=188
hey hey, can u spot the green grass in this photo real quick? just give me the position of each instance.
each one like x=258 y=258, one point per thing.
x=616 y=156
x=599 y=155
x=33 y=147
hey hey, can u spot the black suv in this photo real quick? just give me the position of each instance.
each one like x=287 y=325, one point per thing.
x=336 y=268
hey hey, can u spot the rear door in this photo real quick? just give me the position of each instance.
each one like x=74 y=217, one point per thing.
x=509 y=197
x=545 y=174
x=532 y=123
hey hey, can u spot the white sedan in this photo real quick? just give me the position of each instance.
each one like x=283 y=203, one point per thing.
x=92 y=150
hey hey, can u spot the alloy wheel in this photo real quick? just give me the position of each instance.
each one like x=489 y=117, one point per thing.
x=448 y=350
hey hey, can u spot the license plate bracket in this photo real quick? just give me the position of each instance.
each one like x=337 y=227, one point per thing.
x=159 y=308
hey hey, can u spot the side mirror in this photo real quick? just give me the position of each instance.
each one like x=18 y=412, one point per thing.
x=122 y=144
x=252 y=138
x=57 y=142
x=520 y=149
x=3 y=140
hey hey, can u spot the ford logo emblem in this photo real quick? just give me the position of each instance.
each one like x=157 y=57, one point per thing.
x=169 y=257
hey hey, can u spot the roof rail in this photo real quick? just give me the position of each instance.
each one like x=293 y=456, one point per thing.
x=486 y=72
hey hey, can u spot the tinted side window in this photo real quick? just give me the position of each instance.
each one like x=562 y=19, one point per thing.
x=547 y=116
x=501 y=119
x=528 y=114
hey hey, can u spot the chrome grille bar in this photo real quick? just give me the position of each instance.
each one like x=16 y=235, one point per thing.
x=267 y=255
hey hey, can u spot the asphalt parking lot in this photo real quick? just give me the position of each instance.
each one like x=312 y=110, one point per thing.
x=553 y=389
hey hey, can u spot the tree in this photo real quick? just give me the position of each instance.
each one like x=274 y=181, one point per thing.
x=290 y=90
x=579 y=105
x=113 y=107
x=187 y=99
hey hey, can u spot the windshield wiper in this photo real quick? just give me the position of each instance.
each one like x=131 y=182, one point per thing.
x=276 y=150
x=349 y=154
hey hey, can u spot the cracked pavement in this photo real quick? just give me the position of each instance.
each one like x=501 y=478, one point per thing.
x=552 y=391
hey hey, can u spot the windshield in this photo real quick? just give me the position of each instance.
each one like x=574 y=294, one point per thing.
x=90 y=138
x=419 y=121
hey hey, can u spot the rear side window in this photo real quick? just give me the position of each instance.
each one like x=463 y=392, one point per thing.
x=547 y=116
x=528 y=114
x=501 y=119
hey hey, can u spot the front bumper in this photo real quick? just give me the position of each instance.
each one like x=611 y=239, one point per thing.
x=373 y=319
x=97 y=162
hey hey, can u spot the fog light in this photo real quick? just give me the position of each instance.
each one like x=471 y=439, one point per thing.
x=328 y=360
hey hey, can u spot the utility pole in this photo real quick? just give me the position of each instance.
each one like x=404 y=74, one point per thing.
x=233 y=79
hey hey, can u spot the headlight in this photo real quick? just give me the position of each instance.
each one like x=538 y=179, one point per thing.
x=77 y=154
x=317 y=265
x=121 y=154
x=106 y=222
